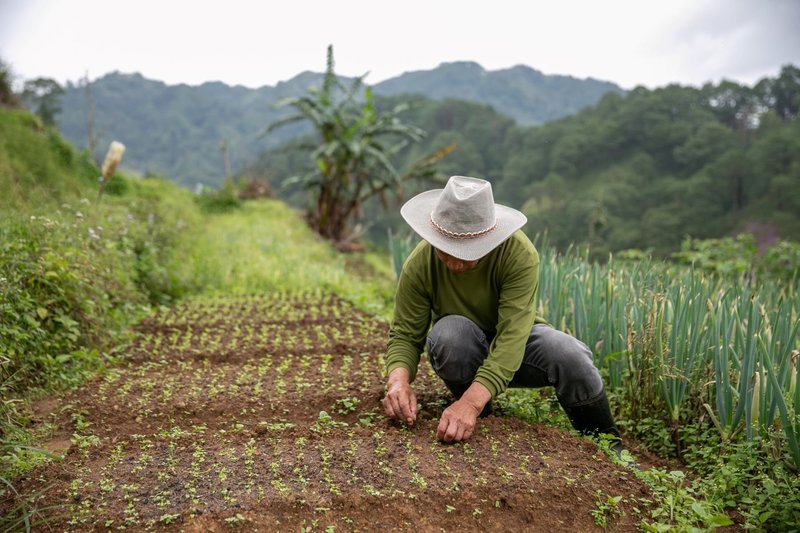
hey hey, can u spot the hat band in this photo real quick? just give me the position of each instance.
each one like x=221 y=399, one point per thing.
x=464 y=235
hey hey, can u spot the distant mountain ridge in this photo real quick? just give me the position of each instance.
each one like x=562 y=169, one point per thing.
x=520 y=92
x=177 y=130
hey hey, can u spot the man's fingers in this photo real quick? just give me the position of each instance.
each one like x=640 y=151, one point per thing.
x=441 y=429
x=392 y=406
x=452 y=432
x=405 y=410
x=401 y=405
x=397 y=406
x=467 y=434
x=448 y=430
x=409 y=405
x=387 y=407
x=455 y=425
x=444 y=426
x=400 y=402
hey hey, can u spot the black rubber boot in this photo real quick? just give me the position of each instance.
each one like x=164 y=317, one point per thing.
x=594 y=419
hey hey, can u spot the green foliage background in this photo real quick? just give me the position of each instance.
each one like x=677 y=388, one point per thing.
x=641 y=171
x=176 y=130
x=76 y=274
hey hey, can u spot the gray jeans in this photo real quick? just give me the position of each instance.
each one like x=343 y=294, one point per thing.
x=457 y=347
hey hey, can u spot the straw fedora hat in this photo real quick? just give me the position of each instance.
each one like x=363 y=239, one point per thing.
x=462 y=219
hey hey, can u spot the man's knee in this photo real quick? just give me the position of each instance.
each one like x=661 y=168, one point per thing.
x=571 y=367
x=456 y=347
x=580 y=376
x=455 y=333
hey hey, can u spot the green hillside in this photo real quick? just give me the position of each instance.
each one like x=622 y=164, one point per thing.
x=234 y=373
x=522 y=93
x=36 y=165
x=477 y=130
x=77 y=271
x=642 y=170
x=648 y=169
x=176 y=130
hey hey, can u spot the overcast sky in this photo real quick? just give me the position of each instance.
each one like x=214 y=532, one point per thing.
x=630 y=42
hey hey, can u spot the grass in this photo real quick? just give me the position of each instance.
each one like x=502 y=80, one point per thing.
x=38 y=169
x=273 y=250
x=74 y=275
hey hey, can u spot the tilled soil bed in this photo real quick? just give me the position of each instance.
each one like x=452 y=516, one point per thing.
x=263 y=414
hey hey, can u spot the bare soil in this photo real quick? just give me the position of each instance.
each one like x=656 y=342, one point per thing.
x=263 y=414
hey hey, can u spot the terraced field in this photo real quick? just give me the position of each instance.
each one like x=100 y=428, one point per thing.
x=263 y=413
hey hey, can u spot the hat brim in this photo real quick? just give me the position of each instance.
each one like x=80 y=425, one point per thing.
x=417 y=212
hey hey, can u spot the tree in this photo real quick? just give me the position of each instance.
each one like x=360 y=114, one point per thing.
x=7 y=96
x=43 y=96
x=353 y=157
x=782 y=94
x=734 y=105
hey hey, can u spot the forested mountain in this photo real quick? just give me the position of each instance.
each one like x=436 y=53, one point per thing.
x=642 y=170
x=177 y=130
x=650 y=168
x=639 y=170
x=520 y=92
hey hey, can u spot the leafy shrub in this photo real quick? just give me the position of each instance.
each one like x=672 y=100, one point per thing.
x=746 y=476
x=162 y=215
x=57 y=294
x=782 y=260
x=737 y=255
x=117 y=185
x=222 y=200
x=37 y=166
x=7 y=96
x=72 y=282
x=729 y=255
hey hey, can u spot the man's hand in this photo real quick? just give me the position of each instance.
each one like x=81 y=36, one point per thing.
x=458 y=421
x=400 y=401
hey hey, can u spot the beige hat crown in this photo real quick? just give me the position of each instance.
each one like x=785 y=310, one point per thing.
x=462 y=219
x=465 y=209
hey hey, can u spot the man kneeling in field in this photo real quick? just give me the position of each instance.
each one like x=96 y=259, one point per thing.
x=475 y=276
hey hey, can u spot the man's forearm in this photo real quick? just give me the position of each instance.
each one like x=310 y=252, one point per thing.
x=402 y=356
x=399 y=373
x=477 y=395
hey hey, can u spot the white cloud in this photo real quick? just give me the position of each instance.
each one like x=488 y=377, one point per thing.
x=253 y=44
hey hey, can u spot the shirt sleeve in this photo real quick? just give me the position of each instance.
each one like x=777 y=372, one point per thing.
x=412 y=316
x=518 y=283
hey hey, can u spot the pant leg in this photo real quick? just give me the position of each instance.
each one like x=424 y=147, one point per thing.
x=457 y=347
x=555 y=358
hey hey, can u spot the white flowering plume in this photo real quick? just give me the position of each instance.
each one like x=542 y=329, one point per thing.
x=113 y=157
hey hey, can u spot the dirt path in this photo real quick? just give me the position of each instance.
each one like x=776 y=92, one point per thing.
x=264 y=414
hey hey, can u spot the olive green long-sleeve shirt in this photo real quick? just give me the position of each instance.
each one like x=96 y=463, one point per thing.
x=498 y=295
